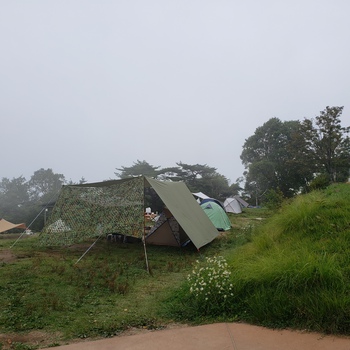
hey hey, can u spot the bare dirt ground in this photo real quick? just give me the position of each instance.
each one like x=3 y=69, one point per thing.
x=7 y=256
x=35 y=338
x=44 y=340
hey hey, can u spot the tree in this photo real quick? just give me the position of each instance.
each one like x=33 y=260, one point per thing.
x=199 y=177
x=329 y=143
x=44 y=185
x=137 y=169
x=267 y=158
x=13 y=198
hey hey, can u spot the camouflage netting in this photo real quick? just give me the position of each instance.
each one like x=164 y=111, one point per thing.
x=91 y=210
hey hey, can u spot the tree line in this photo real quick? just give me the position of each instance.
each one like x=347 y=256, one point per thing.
x=281 y=159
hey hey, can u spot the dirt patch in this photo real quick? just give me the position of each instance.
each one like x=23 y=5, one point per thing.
x=34 y=338
x=7 y=256
x=42 y=339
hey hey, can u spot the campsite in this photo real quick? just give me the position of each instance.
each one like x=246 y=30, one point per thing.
x=49 y=296
x=106 y=293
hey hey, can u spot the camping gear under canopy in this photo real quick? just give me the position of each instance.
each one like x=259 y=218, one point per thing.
x=217 y=215
x=94 y=209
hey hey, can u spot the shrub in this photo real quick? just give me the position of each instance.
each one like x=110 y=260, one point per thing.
x=274 y=199
x=210 y=286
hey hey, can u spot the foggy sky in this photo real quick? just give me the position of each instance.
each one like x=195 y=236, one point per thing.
x=90 y=86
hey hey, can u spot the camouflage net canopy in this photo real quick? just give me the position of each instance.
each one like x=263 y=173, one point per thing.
x=91 y=210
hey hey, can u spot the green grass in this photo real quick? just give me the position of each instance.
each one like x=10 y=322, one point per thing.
x=107 y=292
x=290 y=268
x=295 y=272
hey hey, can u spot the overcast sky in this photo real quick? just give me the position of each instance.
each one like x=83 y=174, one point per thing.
x=90 y=86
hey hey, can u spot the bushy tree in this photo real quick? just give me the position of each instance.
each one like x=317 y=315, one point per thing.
x=329 y=143
x=44 y=185
x=199 y=178
x=14 y=198
x=137 y=169
x=287 y=156
x=22 y=200
x=267 y=156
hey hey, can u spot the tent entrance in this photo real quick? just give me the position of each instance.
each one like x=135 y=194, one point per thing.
x=167 y=231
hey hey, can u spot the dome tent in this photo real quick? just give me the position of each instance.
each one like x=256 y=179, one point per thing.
x=232 y=205
x=216 y=214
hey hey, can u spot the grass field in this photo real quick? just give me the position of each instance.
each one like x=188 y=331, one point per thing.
x=288 y=268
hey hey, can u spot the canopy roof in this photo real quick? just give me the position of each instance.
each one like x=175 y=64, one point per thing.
x=7 y=225
x=200 y=195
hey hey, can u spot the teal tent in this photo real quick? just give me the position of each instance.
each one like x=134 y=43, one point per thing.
x=217 y=215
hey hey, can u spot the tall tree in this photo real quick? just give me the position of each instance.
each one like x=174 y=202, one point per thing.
x=44 y=185
x=267 y=155
x=199 y=177
x=13 y=198
x=137 y=169
x=329 y=143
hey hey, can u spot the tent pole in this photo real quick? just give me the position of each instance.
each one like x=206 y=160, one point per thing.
x=89 y=248
x=144 y=242
x=144 y=230
x=144 y=248
x=27 y=228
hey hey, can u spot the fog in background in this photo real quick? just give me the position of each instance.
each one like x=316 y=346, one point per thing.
x=90 y=86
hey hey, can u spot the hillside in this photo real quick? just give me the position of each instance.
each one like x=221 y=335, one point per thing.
x=296 y=270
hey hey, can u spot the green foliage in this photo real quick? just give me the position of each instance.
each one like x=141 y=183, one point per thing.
x=44 y=185
x=137 y=169
x=22 y=200
x=273 y=199
x=291 y=271
x=197 y=177
x=287 y=155
x=295 y=271
x=330 y=145
x=320 y=182
x=267 y=157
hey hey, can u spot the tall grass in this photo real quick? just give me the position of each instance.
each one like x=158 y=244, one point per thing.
x=293 y=270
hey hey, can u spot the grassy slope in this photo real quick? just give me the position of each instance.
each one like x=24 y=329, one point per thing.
x=296 y=270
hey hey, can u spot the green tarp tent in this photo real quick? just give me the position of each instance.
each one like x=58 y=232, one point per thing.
x=185 y=209
x=217 y=215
